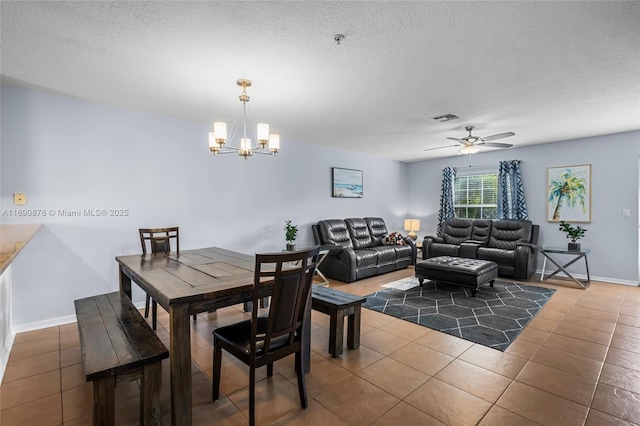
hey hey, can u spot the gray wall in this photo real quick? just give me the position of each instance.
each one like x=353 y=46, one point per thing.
x=66 y=153
x=612 y=238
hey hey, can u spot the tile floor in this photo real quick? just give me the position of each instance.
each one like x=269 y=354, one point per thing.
x=577 y=363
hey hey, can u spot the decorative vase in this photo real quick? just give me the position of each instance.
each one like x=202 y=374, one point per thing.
x=573 y=246
x=291 y=246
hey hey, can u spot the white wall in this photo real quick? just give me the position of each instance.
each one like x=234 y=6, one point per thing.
x=612 y=238
x=66 y=153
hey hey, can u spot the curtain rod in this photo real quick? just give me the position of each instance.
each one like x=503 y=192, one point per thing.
x=478 y=166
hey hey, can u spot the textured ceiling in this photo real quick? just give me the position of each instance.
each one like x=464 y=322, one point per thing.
x=547 y=71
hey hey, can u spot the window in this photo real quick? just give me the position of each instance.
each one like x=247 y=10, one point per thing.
x=476 y=197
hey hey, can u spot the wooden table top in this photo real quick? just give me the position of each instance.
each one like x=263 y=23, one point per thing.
x=12 y=239
x=192 y=276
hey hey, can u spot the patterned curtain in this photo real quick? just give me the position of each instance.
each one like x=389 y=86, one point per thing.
x=446 y=197
x=511 y=202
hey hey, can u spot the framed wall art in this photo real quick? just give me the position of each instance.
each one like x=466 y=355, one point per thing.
x=569 y=193
x=346 y=183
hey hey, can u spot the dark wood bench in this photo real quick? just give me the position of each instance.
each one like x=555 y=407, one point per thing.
x=338 y=304
x=117 y=344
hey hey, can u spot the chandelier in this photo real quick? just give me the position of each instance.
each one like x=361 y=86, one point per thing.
x=267 y=144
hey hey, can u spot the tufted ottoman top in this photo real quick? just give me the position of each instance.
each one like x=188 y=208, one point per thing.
x=458 y=264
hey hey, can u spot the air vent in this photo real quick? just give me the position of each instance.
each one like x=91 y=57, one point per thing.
x=446 y=117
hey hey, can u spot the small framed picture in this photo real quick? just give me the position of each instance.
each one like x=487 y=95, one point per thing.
x=569 y=193
x=346 y=183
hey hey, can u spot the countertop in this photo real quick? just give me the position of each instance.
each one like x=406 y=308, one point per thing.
x=12 y=239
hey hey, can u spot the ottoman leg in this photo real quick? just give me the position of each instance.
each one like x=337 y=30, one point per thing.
x=420 y=280
x=473 y=292
x=491 y=283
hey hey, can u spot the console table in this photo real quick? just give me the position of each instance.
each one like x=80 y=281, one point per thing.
x=577 y=255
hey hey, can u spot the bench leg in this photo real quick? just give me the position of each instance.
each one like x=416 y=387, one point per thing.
x=150 y=411
x=336 y=332
x=104 y=412
x=353 y=329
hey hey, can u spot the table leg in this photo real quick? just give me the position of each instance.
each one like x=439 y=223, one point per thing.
x=544 y=266
x=566 y=265
x=180 y=362
x=305 y=351
x=125 y=283
x=150 y=410
x=353 y=329
x=586 y=264
x=104 y=411
x=336 y=332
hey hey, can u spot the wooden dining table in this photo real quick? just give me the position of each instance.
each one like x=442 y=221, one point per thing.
x=189 y=283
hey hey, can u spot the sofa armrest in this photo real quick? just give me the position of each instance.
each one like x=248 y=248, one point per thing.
x=533 y=247
x=334 y=250
x=525 y=261
x=426 y=245
x=414 y=251
x=434 y=239
x=469 y=249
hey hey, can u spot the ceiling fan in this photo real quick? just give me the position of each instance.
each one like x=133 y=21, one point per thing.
x=471 y=144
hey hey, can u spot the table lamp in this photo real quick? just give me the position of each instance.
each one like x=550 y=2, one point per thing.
x=412 y=225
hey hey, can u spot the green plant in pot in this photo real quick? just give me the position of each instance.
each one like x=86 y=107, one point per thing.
x=573 y=233
x=290 y=235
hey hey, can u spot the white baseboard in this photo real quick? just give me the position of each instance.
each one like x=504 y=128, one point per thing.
x=4 y=355
x=594 y=278
x=53 y=322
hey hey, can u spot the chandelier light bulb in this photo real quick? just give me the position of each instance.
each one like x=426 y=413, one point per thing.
x=274 y=143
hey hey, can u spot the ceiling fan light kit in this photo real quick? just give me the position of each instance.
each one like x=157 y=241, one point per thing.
x=472 y=144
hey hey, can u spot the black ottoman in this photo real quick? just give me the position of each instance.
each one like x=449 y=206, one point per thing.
x=457 y=270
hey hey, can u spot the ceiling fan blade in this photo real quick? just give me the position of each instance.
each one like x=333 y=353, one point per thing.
x=499 y=136
x=456 y=139
x=440 y=147
x=495 y=144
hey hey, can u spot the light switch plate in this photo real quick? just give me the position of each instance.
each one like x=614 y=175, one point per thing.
x=626 y=212
x=19 y=199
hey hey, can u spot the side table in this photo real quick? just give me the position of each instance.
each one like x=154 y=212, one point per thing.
x=577 y=255
x=325 y=281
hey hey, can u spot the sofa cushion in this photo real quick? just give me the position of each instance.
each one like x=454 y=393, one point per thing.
x=366 y=257
x=386 y=254
x=377 y=229
x=499 y=256
x=506 y=234
x=456 y=231
x=335 y=232
x=481 y=230
x=359 y=232
x=405 y=251
x=443 y=249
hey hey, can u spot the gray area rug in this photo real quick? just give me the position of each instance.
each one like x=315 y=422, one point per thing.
x=493 y=318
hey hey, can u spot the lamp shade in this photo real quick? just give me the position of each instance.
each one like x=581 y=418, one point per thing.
x=262 y=133
x=274 y=142
x=220 y=131
x=412 y=224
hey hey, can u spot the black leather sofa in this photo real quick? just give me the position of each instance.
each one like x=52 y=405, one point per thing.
x=512 y=244
x=356 y=248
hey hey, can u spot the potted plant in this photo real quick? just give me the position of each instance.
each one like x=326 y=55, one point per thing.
x=290 y=235
x=574 y=233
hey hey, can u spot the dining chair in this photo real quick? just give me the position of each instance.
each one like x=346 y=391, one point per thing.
x=260 y=341
x=159 y=241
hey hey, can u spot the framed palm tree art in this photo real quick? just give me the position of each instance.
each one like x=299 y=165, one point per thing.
x=569 y=193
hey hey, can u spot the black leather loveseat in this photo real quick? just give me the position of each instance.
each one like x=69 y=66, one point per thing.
x=512 y=244
x=357 y=250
